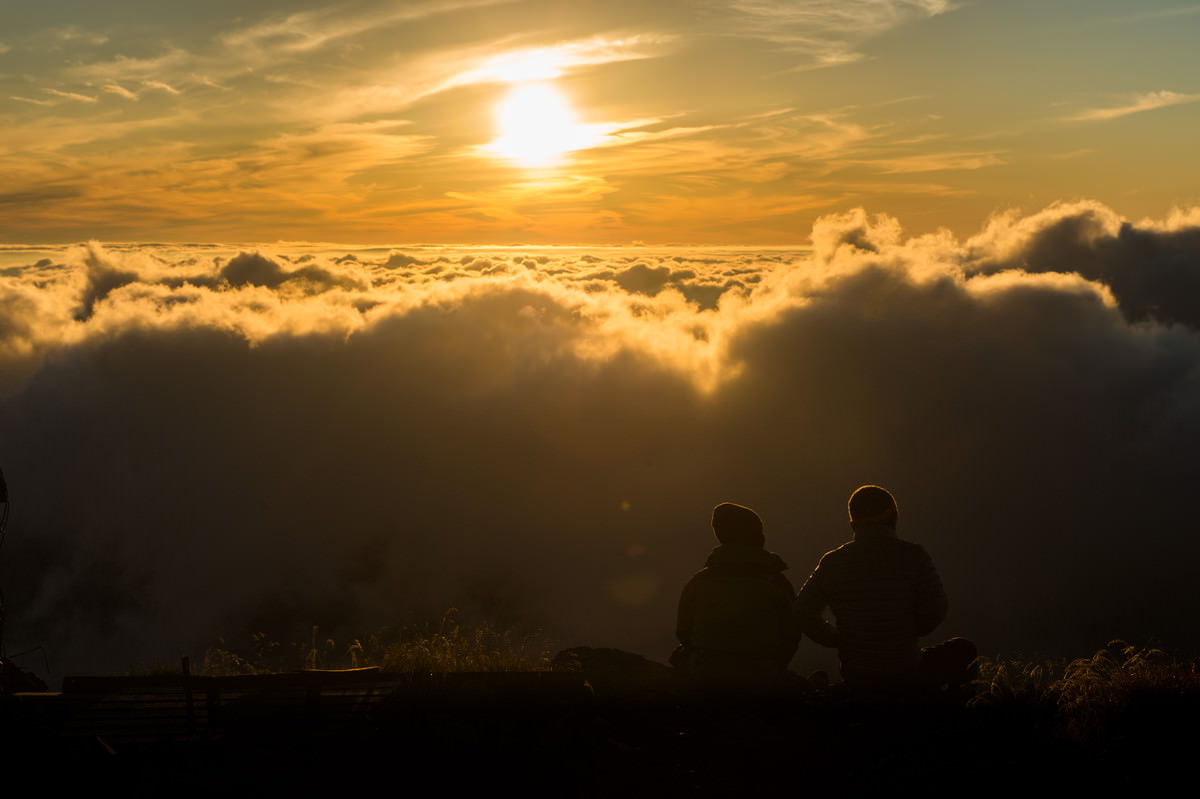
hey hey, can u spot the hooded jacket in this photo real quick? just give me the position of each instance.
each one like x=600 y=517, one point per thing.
x=739 y=606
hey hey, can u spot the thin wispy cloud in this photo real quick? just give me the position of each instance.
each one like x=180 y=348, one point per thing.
x=73 y=33
x=548 y=63
x=204 y=80
x=1164 y=13
x=82 y=98
x=120 y=91
x=122 y=67
x=310 y=30
x=865 y=191
x=1070 y=154
x=32 y=101
x=158 y=84
x=1150 y=101
x=829 y=32
x=937 y=162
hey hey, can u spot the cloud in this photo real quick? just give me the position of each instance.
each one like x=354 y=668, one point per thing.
x=120 y=91
x=705 y=158
x=40 y=195
x=828 y=32
x=1151 y=270
x=253 y=269
x=548 y=63
x=100 y=278
x=158 y=84
x=1149 y=101
x=1166 y=13
x=309 y=171
x=208 y=442
x=74 y=33
x=123 y=67
x=937 y=162
x=312 y=30
x=31 y=101
x=82 y=98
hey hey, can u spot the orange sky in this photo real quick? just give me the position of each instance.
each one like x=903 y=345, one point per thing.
x=484 y=121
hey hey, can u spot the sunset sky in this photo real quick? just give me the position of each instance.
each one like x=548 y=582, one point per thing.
x=529 y=121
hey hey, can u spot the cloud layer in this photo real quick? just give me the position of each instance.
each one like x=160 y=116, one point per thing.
x=202 y=444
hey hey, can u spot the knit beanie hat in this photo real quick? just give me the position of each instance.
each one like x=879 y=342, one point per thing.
x=872 y=505
x=737 y=525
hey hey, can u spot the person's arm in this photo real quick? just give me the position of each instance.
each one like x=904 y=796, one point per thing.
x=789 y=629
x=809 y=606
x=686 y=613
x=931 y=605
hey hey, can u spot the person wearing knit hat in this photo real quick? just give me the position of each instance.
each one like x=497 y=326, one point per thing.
x=885 y=594
x=872 y=505
x=735 y=623
x=737 y=525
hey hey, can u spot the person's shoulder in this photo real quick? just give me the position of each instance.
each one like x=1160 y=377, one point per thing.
x=837 y=553
x=832 y=560
x=855 y=548
x=697 y=579
x=745 y=559
x=913 y=548
x=915 y=555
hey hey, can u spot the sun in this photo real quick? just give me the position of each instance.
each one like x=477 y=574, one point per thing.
x=536 y=126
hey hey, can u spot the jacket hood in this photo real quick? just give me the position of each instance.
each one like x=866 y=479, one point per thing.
x=733 y=555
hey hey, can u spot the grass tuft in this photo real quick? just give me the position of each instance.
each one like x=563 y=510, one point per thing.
x=1090 y=700
x=446 y=647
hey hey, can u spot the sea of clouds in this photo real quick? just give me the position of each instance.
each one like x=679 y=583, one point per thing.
x=203 y=442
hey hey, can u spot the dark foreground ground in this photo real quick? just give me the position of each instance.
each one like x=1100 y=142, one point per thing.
x=556 y=734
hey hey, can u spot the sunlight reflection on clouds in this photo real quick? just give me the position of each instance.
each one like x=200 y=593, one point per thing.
x=205 y=436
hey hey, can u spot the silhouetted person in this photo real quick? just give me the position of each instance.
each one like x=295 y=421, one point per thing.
x=735 y=622
x=885 y=594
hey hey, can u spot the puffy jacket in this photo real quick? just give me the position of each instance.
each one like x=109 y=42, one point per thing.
x=884 y=593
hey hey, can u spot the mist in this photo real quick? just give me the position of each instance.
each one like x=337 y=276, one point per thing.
x=202 y=444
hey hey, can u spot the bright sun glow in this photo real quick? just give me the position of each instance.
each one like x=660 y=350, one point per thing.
x=536 y=125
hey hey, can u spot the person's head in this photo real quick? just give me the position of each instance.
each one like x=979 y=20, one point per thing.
x=737 y=525
x=872 y=505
